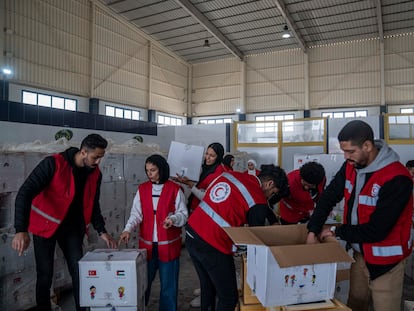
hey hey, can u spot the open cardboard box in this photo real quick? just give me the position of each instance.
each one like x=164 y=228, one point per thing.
x=282 y=269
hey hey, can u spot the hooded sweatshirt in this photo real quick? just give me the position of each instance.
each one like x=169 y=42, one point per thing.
x=395 y=193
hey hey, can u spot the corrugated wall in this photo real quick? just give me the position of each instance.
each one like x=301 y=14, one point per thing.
x=80 y=48
x=43 y=49
x=275 y=82
x=120 y=67
x=216 y=87
x=169 y=84
x=340 y=75
x=399 y=69
x=345 y=75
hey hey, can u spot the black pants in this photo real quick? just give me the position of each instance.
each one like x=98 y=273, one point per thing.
x=217 y=274
x=70 y=241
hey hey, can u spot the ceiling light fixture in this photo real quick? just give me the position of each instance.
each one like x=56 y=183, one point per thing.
x=206 y=44
x=286 y=33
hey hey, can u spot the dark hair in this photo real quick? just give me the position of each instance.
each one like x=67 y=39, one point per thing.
x=312 y=172
x=219 y=150
x=93 y=141
x=162 y=164
x=409 y=164
x=357 y=132
x=277 y=174
x=227 y=159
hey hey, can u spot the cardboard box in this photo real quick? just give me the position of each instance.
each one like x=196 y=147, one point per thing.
x=113 y=277
x=282 y=269
x=251 y=307
x=342 y=291
x=185 y=160
x=332 y=305
x=116 y=309
x=248 y=296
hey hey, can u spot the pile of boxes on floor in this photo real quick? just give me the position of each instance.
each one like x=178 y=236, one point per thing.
x=113 y=280
x=16 y=272
x=281 y=272
x=121 y=173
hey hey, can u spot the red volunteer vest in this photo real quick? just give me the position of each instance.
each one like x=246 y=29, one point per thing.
x=299 y=203
x=225 y=204
x=49 y=207
x=257 y=172
x=203 y=184
x=169 y=240
x=397 y=244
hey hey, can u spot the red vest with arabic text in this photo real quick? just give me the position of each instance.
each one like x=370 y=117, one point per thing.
x=169 y=240
x=49 y=207
x=397 y=245
x=226 y=203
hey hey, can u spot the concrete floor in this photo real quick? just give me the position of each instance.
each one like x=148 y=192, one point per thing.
x=188 y=282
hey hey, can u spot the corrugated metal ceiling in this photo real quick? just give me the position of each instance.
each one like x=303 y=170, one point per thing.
x=245 y=27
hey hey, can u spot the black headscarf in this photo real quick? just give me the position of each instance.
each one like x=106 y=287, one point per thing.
x=227 y=160
x=208 y=169
x=162 y=164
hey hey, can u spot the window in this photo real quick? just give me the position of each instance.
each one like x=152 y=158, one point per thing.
x=345 y=114
x=407 y=110
x=51 y=101
x=122 y=113
x=272 y=127
x=215 y=121
x=167 y=120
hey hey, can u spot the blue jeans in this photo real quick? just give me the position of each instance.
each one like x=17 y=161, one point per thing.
x=168 y=280
x=70 y=241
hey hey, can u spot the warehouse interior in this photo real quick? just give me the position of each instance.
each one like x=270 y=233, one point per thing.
x=271 y=80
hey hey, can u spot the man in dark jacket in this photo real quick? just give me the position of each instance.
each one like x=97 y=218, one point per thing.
x=56 y=203
x=377 y=190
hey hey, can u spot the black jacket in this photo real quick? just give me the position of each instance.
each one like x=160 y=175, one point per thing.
x=39 y=178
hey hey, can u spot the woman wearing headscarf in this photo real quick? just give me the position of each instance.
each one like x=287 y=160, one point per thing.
x=212 y=167
x=159 y=208
x=251 y=168
x=228 y=162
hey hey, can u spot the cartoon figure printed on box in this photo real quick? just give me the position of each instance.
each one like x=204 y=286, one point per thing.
x=293 y=279
x=121 y=292
x=92 y=290
x=302 y=280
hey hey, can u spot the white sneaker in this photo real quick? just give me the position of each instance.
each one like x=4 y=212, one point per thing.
x=196 y=302
x=197 y=292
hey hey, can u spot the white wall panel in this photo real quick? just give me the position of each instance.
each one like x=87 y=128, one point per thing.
x=345 y=75
x=346 y=98
x=49 y=43
x=344 y=50
x=276 y=59
x=282 y=102
x=211 y=107
x=399 y=69
x=275 y=82
x=121 y=62
x=228 y=65
x=216 y=87
x=169 y=83
x=168 y=105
